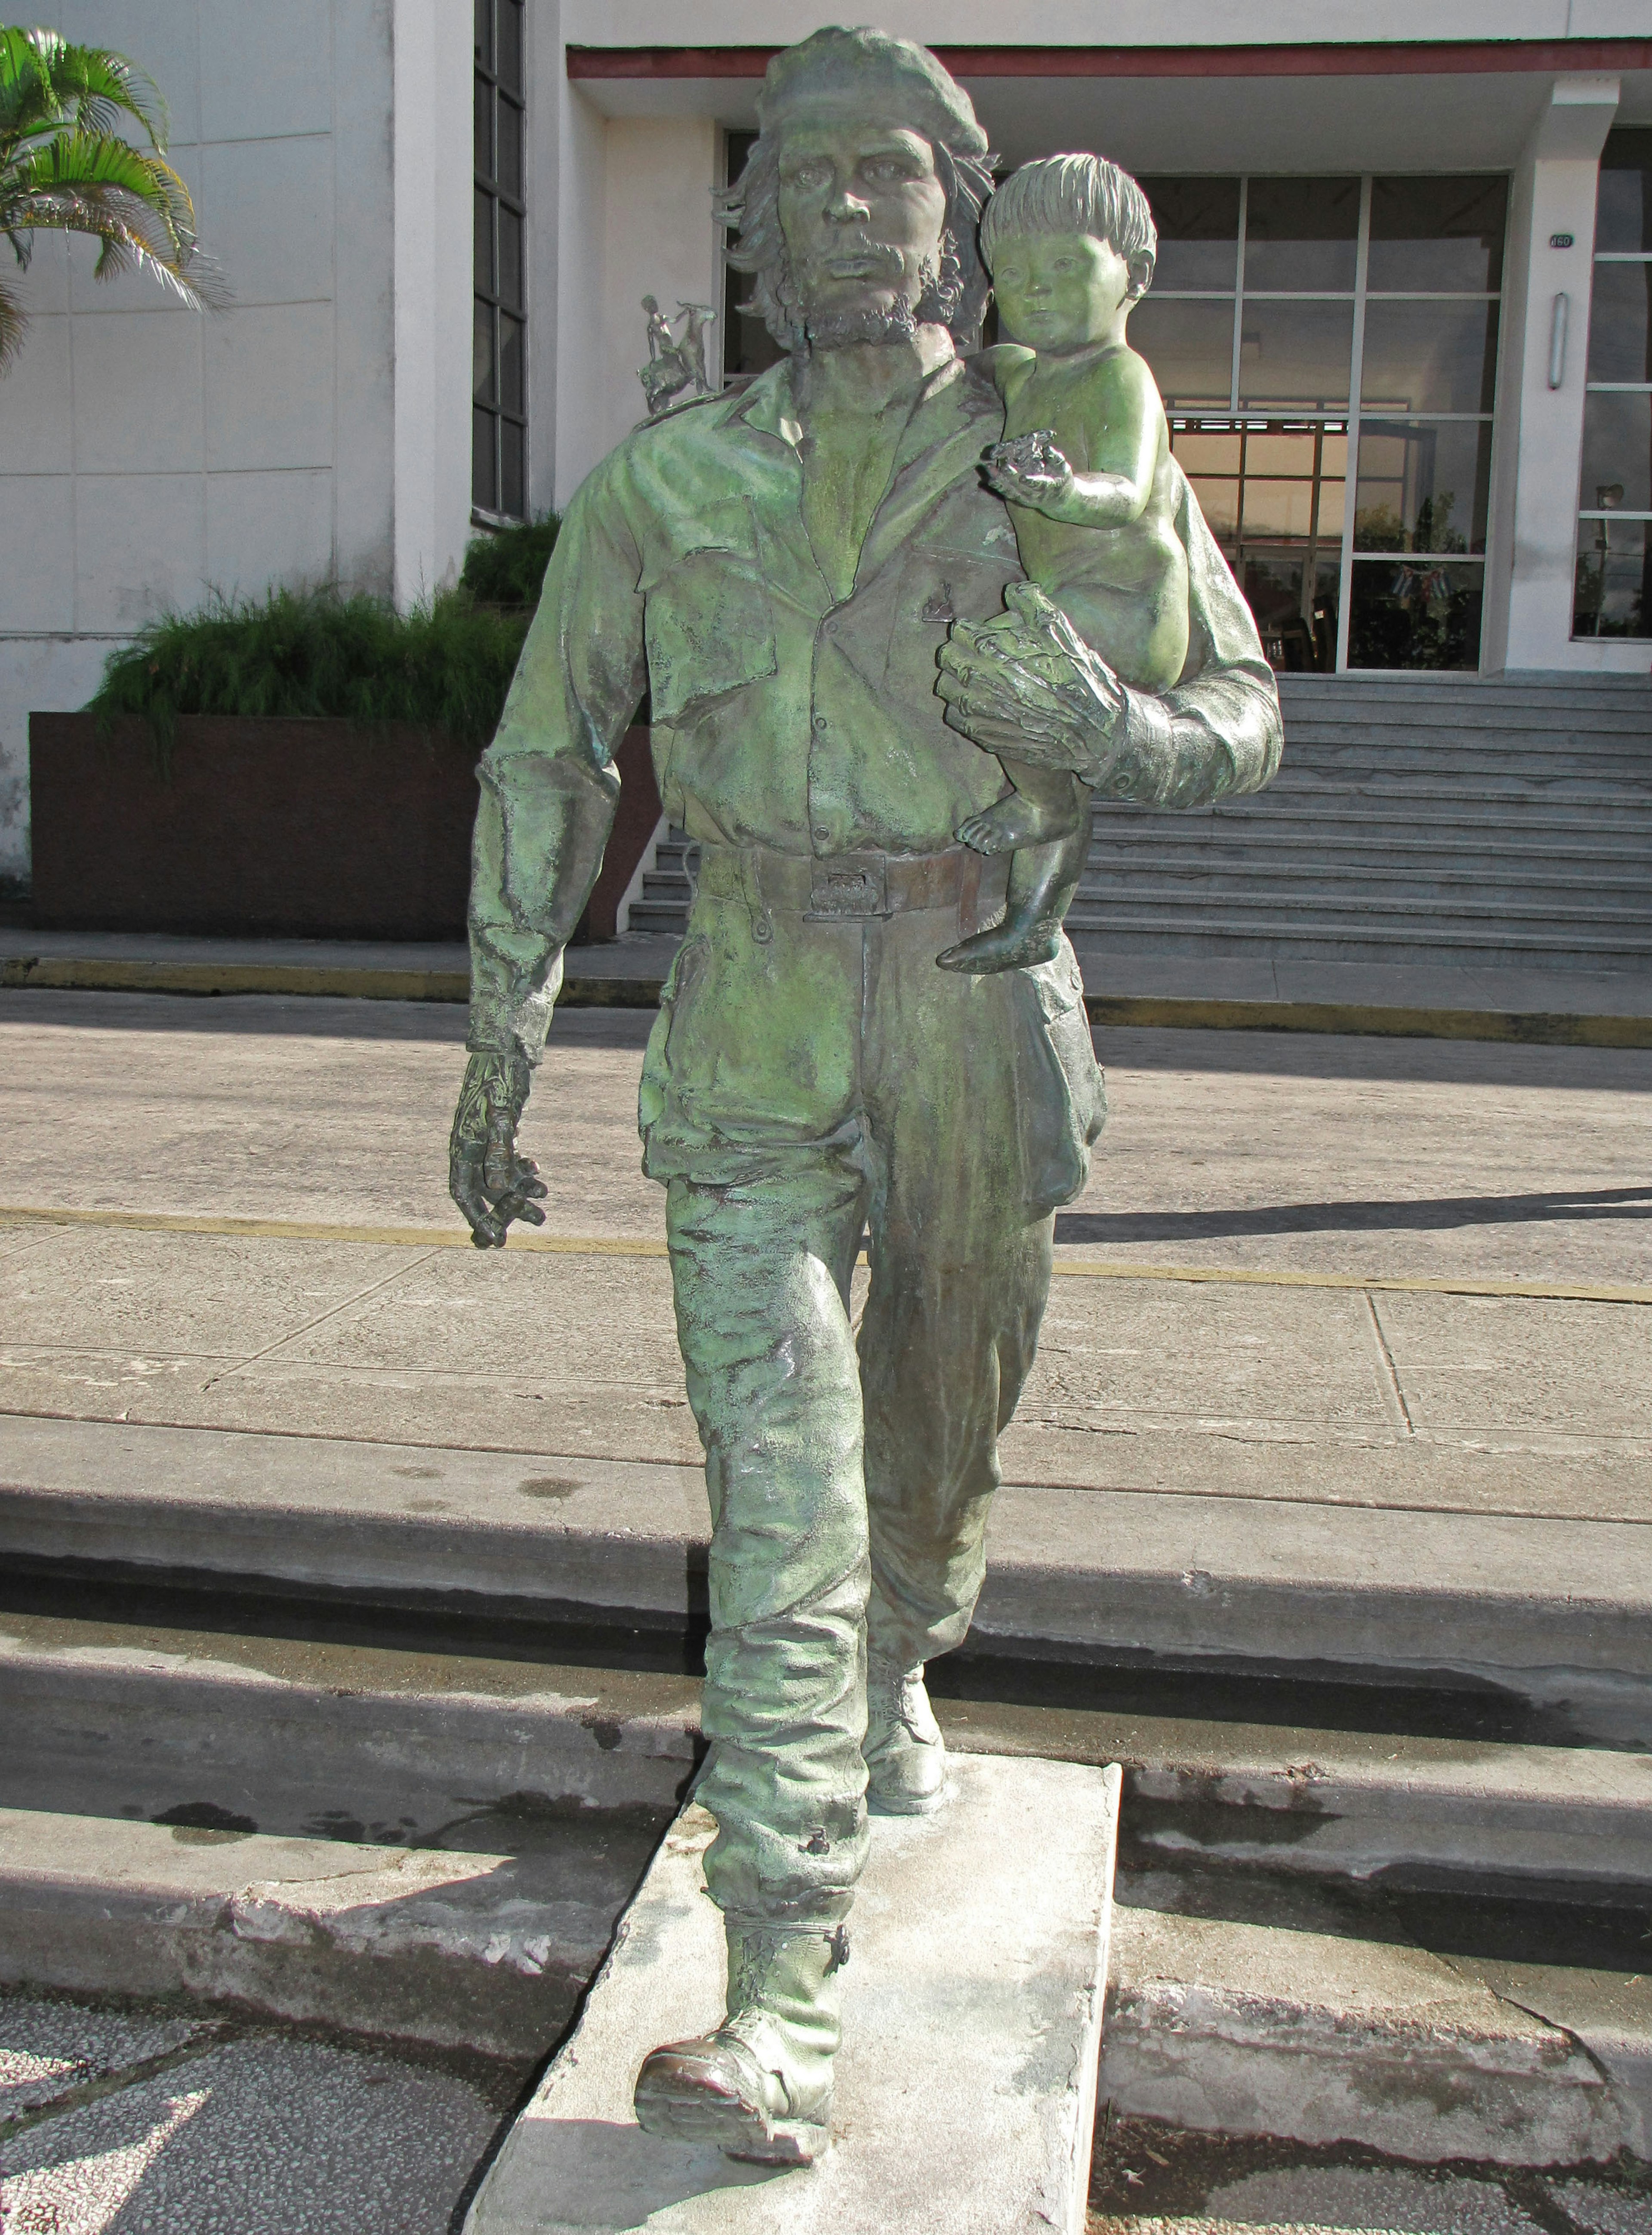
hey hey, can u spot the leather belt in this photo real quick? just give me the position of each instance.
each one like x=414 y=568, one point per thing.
x=832 y=887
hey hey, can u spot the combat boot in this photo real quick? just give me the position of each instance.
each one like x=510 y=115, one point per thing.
x=905 y=1755
x=760 y=2088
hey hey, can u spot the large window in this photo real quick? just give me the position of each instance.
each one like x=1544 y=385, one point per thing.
x=499 y=354
x=1614 y=595
x=1308 y=332
x=748 y=346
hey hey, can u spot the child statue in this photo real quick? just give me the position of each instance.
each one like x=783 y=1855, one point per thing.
x=1086 y=470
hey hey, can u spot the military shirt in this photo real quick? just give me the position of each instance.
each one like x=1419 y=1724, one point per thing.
x=783 y=716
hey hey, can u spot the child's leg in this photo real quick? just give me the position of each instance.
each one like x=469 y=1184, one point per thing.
x=1045 y=805
x=1043 y=879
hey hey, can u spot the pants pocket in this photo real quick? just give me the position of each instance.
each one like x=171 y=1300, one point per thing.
x=1061 y=1095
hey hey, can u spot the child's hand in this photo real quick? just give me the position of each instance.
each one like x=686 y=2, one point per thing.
x=1031 y=470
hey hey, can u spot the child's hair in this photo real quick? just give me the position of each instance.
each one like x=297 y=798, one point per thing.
x=1076 y=194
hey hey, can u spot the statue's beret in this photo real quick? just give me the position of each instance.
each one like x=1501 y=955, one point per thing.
x=869 y=74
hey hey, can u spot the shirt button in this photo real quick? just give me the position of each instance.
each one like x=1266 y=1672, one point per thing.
x=820 y=721
x=822 y=834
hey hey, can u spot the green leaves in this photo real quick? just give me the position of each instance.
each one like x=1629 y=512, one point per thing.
x=446 y=665
x=65 y=168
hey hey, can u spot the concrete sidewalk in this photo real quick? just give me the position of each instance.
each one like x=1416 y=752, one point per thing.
x=1565 y=1007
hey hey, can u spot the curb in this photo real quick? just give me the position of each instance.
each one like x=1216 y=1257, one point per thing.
x=1532 y=1028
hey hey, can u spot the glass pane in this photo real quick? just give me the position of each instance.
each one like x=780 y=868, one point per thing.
x=484 y=242
x=513 y=468
x=482 y=130
x=510 y=45
x=1207 y=451
x=1434 y=236
x=1429 y=356
x=1614 y=579
x=1624 y=211
x=513 y=380
x=484 y=475
x=484 y=20
x=1423 y=489
x=1289 y=451
x=511 y=258
x=1617 y=454
x=482 y=356
x=1284 y=511
x=1189 y=346
x=1620 y=323
x=1219 y=503
x=1297 y=354
x=1422 y=614
x=1301 y=234
x=510 y=149
x=1198 y=232
x=1296 y=611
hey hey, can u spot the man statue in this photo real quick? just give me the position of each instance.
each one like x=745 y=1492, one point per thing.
x=809 y=577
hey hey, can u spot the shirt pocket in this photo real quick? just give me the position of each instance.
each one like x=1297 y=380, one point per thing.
x=707 y=621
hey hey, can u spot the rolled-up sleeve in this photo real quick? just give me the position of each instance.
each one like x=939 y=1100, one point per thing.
x=548 y=780
x=1219 y=731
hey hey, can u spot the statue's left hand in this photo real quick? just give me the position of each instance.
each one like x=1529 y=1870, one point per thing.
x=486 y=1178
x=1026 y=684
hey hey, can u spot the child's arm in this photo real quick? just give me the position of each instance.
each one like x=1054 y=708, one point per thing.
x=1122 y=423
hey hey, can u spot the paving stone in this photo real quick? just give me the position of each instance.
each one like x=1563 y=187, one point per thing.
x=258 y=2136
x=970 y=2008
x=48 y=2050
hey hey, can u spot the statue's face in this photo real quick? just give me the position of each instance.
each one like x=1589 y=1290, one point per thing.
x=862 y=212
x=1058 y=291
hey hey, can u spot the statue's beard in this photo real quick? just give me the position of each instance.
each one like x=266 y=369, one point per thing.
x=874 y=322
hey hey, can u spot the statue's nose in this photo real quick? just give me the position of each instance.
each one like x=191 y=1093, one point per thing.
x=845 y=208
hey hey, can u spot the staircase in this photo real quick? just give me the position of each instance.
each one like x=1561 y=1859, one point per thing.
x=1412 y=821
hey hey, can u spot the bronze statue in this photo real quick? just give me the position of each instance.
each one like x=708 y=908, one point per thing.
x=827 y=607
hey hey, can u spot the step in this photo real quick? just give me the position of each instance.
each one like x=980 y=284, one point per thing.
x=462 y=1950
x=1283 y=2014
x=1546 y=1620
x=1491 y=946
x=1442 y=885
x=964 y=2085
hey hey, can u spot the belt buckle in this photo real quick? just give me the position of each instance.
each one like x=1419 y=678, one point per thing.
x=849 y=886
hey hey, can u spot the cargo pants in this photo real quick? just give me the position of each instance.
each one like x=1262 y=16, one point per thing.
x=810 y=1083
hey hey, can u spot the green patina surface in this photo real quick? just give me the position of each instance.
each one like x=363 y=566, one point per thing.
x=809 y=580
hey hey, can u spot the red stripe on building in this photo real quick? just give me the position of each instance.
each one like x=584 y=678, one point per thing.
x=1419 y=58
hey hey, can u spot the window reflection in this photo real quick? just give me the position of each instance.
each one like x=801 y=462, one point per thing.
x=1614 y=595
x=1189 y=346
x=1301 y=235
x=1423 y=488
x=1295 y=354
x=1623 y=215
x=1415 y=613
x=1198 y=232
x=1617 y=452
x=1620 y=323
x=1429 y=356
x=1437 y=236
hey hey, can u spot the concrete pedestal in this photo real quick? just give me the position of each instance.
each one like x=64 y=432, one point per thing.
x=967 y=2083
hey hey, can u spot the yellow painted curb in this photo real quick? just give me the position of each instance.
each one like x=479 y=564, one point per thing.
x=1532 y=1028
x=1535 y=1028
x=585 y=1245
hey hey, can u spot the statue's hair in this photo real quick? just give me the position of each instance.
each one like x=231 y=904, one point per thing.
x=1076 y=194
x=956 y=296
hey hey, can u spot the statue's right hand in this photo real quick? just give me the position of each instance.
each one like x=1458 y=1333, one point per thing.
x=486 y=1178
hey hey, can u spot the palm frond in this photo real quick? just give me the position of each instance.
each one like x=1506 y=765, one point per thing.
x=13 y=319
x=46 y=81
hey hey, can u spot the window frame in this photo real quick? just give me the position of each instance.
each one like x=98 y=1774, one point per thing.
x=487 y=300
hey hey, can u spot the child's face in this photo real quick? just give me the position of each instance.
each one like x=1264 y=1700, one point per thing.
x=1058 y=291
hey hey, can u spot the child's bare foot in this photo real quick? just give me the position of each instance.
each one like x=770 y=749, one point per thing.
x=1010 y=945
x=1015 y=822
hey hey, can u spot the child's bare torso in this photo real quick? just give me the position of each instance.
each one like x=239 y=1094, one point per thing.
x=1125 y=589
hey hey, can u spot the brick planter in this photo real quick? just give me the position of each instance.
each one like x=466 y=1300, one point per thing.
x=267 y=827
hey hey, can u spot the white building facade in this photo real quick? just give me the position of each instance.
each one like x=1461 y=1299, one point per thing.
x=1402 y=319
